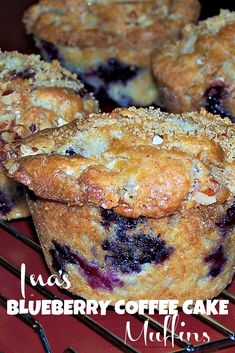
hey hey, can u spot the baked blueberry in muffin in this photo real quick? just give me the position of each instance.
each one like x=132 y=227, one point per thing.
x=109 y=43
x=198 y=70
x=135 y=204
x=34 y=95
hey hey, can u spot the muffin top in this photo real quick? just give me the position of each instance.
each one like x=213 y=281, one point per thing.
x=202 y=60
x=35 y=95
x=138 y=162
x=100 y=23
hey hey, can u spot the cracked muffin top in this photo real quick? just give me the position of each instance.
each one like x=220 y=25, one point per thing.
x=102 y=23
x=138 y=162
x=35 y=95
x=198 y=70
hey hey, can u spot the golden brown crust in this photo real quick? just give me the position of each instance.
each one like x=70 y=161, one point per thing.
x=75 y=22
x=35 y=92
x=35 y=95
x=202 y=59
x=139 y=162
x=97 y=176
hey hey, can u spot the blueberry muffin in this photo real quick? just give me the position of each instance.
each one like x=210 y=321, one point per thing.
x=34 y=95
x=109 y=43
x=198 y=70
x=136 y=204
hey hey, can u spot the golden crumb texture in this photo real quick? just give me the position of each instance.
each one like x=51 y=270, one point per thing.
x=138 y=162
x=105 y=23
x=35 y=95
x=133 y=204
x=187 y=71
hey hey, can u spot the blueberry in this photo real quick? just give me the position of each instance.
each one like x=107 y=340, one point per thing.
x=70 y=152
x=33 y=128
x=127 y=253
x=6 y=203
x=214 y=96
x=114 y=70
x=59 y=261
x=96 y=278
x=50 y=51
x=217 y=260
x=105 y=101
x=100 y=80
x=227 y=222
x=108 y=217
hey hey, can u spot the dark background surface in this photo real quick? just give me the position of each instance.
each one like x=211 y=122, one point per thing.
x=16 y=337
x=211 y=7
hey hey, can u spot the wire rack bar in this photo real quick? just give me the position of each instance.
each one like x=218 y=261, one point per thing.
x=210 y=347
x=219 y=344
x=215 y=324
x=228 y=295
x=32 y=323
x=13 y=231
x=157 y=325
x=85 y=319
x=70 y=350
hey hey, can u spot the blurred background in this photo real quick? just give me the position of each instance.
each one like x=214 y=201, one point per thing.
x=13 y=37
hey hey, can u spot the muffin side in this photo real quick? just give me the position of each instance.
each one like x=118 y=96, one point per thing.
x=110 y=257
x=127 y=203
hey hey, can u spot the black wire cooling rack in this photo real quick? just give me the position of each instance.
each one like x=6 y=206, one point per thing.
x=228 y=334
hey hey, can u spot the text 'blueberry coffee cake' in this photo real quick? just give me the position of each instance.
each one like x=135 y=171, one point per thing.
x=135 y=204
x=198 y=70
x=109 y=43
x=34 y=95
